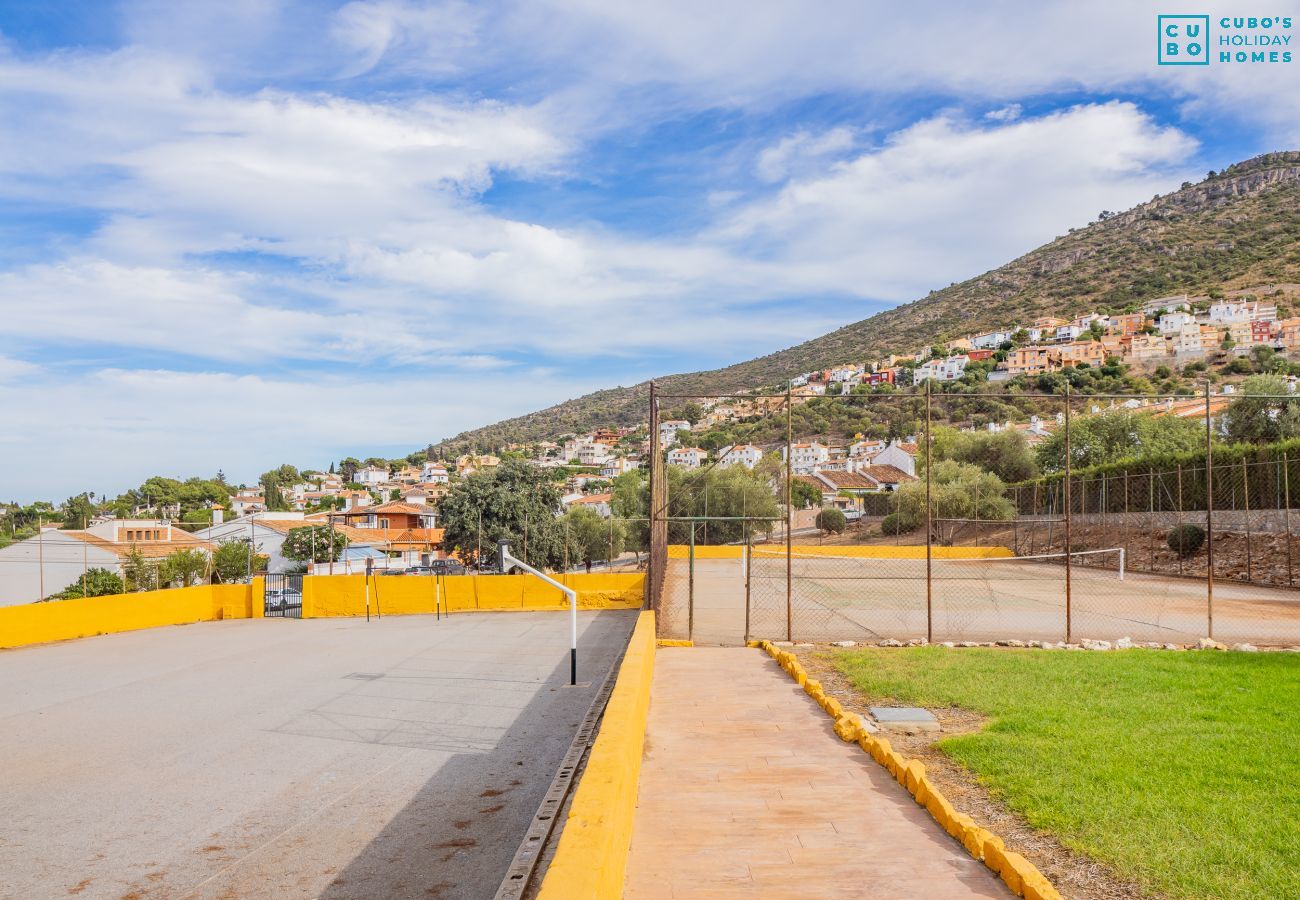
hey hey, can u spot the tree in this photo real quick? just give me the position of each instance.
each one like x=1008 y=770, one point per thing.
x=96 y=583
x=1264 y=412
x=187 y=566
x=348 y=468
x=78 y=511
x=1119 y=434
x=313 y=543
x=958 y=491
x=516 y=502
x=831 y=520
x=804 y=495
x=231 y=562
x=139 y=573
x=281 y=477
x=1004 y=453
x=592 y=537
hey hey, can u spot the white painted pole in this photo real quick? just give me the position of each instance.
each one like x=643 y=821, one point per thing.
x=1121 y=563
x=508 y=561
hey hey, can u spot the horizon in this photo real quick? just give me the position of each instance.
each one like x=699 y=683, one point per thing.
x=239 y=235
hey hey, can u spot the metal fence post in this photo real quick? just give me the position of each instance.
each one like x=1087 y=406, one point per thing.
x=929 y=525
x=690 y=591
x=789 y=514
x=1245 y=502
x=1209 y=520
x=1069 y=545
x=749 y=555
x=1286 y=514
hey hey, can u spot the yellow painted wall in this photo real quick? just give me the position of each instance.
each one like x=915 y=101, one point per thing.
x=591 y=859
x=345 y=595
x=61 y=620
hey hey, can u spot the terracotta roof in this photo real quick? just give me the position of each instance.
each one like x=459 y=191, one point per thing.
x=394 y=506
x=887 y=474
x=180 y=540
x=843 y=480
x=595 y=498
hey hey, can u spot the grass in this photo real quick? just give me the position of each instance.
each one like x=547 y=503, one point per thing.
x=1179 y=769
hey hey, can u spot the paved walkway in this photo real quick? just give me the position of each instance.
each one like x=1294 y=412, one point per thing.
x=746 y=792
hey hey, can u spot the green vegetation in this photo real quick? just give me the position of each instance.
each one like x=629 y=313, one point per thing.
x=313 y=543
x=1120 y=434
x=183 y=568
x=591 y=537
x=958 y=491
x=717 y=493
x=516 y=502
x=1176 y=769
x=1185 y=540
x=232 y=563
x=831 y=521
x=96 y=583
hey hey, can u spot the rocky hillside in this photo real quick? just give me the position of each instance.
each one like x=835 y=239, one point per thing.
x=1237 y=228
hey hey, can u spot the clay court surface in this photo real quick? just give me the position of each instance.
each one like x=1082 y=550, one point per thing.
x=288 y=758
x=757 y=797
x=973 y=600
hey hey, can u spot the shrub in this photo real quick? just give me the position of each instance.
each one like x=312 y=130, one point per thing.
x=831 y=520
x=1186 y=539
x=893 y=524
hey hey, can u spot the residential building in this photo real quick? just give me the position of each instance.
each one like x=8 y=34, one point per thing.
x=1129 y=323
x=1187 y=341
x=687 y=457
x=617 y=465
x=746 y=455
x=1147 y=347
x=948 y=369
x=805 y=457
x=266 y=530
x=598 y=503
x=395 y=515
x=900 y=455
x=1032 y=360
x=668 y=431
x=990 y=340
x=1091 y=353
x=434 y=473
x=1068 y=332
x=53 y=559
x=371 y=476
x=1173 y=322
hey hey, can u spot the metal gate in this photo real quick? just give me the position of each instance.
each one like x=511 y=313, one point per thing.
x=283 y=596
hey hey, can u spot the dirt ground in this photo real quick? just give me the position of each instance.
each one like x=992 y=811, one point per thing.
x=1076 y=876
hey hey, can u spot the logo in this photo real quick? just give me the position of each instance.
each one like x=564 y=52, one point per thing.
x=1183 y=40
x=1186 y=40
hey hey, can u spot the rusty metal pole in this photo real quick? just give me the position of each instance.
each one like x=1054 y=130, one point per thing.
x=1069 y=546
x=929 y=524
x=789 y=515
x=1209 y=520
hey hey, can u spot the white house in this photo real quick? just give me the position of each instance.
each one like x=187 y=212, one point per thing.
x=599 y=503
x=899 y=455
x=592 y=454
x=1174 y=322
x=990 y=340
x=617 y=465
x=668 y=431
x=371 y=475
x=267 y=531
x=54 y=559
x=948 y=369
x=1068 y=332
x=746 y=455
x=845 y=374
x=804 y=458
x=433 y=473
x=687 y=457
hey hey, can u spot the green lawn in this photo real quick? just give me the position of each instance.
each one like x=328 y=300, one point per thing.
x=1180 y=770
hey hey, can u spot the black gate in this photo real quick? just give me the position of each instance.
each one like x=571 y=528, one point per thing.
x=284 y=596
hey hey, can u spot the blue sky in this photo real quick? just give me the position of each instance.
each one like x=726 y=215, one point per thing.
x=242 y=233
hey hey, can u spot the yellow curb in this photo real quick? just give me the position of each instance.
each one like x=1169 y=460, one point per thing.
x=669 y=642
x=1021 y=876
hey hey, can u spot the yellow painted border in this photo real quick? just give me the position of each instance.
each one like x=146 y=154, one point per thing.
x=777 y=551
x=1020 y=875
x=671 y=642
x=591 y=858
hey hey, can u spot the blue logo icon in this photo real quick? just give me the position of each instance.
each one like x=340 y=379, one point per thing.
x=1183 y=40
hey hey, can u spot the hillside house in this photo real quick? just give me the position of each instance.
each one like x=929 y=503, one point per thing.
x=746 y=455
x=1032 y=360
x=687 y=457
x=668 y=431
x=949 y=369
x=897 y=454
x=990 y=340
x=371 y=476
x=1090 y=353
x=805 y=457
x=1148 y=347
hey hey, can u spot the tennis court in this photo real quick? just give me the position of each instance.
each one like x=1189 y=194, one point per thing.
x=839 y=597
x=326 y=758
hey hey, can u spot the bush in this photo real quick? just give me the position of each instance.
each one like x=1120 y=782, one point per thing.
x=893 y=524
x=1186 y=539
x=831 y=520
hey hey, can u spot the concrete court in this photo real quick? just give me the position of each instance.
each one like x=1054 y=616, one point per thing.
x=747 y=792
x=868 y=600
x=331 y=758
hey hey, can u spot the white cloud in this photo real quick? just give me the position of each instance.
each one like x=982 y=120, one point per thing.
x=802 y=152
x=12 y=369
x=1008 y=113
x=109 y=429
x=946 y=199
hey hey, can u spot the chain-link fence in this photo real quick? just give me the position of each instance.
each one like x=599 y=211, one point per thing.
x=978 y=517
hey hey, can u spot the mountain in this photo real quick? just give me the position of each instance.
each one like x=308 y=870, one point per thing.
x=1238 y=228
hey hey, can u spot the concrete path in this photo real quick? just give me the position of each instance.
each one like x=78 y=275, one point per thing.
x=325 y=758
x=746 y=792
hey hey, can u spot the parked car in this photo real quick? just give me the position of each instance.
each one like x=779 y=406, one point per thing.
x=438 y=567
